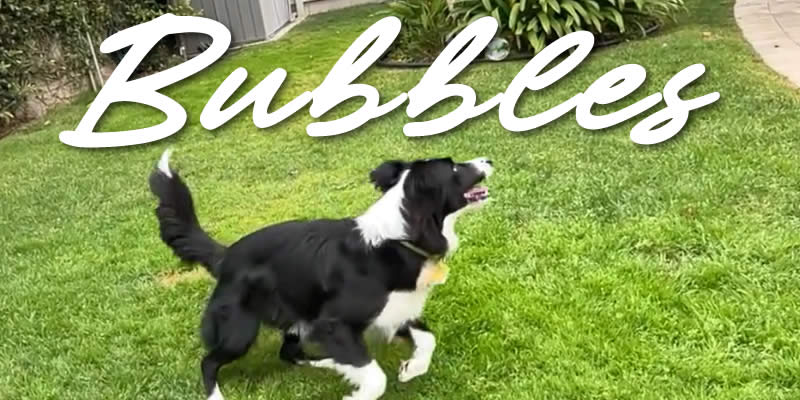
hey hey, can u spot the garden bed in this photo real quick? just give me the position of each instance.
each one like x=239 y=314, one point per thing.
x=601 y=41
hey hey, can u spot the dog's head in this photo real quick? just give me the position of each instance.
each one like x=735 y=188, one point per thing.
x=440 y=183
x=430 y=190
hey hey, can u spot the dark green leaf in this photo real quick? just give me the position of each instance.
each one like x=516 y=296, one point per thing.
x=545 y=21
x=512 y=18
x=557 y=27
x=571 y=10
x=536 y=41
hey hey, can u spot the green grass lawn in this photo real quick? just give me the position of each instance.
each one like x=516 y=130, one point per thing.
x=602 y=270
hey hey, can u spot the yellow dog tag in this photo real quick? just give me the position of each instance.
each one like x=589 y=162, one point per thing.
x=434 y=273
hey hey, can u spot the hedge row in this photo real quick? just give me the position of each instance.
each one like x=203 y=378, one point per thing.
x=45 y=39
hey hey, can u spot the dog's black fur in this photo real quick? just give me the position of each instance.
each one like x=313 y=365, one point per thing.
x=321 y=273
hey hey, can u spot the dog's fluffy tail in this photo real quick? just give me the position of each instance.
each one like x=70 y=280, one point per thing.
x=177 y=220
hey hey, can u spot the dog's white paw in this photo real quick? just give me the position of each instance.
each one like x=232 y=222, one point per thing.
x=324 y=363
x=412 y=368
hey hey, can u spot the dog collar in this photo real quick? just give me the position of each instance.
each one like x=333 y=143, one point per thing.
x=419 y=251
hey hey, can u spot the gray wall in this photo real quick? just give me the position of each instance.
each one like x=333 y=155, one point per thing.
x=248 y=20
x=276 y=13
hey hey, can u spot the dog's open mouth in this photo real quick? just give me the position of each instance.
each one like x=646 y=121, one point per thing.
x=476 y=194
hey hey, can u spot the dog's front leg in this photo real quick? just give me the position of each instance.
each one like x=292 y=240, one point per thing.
x=424 y=344
x=369 y=379
x=349 y=357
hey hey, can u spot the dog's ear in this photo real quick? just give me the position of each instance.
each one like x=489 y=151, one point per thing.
x=387 y=174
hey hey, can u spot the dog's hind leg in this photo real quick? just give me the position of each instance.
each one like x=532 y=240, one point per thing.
x=349 y=357
x=229 y=331
x=424 y=344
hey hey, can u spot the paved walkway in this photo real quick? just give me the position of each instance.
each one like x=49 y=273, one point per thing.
x=773 y=28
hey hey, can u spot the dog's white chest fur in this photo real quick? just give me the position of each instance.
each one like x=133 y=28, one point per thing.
x=404 y=306
x=399 y=309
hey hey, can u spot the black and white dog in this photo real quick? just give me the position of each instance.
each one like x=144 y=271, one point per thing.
x=327 y=281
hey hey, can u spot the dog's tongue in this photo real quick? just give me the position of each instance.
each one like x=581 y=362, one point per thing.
x=476 y=192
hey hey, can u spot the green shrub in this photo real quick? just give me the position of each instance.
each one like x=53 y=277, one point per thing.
x=45 y=39
x=426 y=25
x=534 y=23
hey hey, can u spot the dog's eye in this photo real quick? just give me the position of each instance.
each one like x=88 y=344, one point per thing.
x=455 y=169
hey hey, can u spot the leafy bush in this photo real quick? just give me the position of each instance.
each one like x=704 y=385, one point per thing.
x=534 y=23
x=426 y=26
x=137 y=12
x=45 y=39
